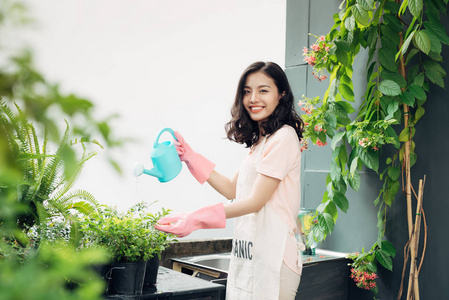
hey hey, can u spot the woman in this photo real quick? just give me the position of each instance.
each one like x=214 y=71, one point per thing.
x=265 y=260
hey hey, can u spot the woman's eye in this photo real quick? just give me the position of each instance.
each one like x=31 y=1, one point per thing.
x=264 y=91
x=246 y=92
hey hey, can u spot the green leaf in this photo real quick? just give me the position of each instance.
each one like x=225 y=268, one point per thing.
x=388 y=248
x=389 y=131
x=435 y=77
x=389 y=88
x=350 y=23
x=407 y=99
x=430 y=65
x=417 y=92
x=419 y=79
x=340 y=200
x=435 y=44
x=347 y=106
x=346 y=80
x=393 y=106
x=337 y=138
x=387 y=60
x=346 y=92
x=404 y=136
x=393 y=22
x=355 y=180
x=413 y=158
x=326 y=221
x=390 y=34
x=354 y=164
x=392 y=7
x=370 y=158
x=419 y=113
x=394 y=173
x=342 y=57
x=406 y=44
x=335 y=171
x=366 y=4
x=360 y=15
x=415 y=7
x=331 y=209
x=422 y=41
x=439 y=31
x=411 y=54
x=343 y=45
x=384 y=259
x=394 y=76
x=391 y=191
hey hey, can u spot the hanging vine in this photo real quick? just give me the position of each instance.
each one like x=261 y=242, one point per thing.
x=404 y=41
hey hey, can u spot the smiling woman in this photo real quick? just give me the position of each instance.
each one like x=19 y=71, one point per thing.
x=265 y=187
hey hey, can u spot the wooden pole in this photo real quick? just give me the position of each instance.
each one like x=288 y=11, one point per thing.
x=406 y=160
x=413 y=279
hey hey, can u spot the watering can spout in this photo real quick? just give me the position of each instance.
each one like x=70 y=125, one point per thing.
x=139 y=170
x=153 y=172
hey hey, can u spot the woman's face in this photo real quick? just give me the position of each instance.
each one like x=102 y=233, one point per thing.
x=260 y=96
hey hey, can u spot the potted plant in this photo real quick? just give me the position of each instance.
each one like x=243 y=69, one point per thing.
x=131 y=242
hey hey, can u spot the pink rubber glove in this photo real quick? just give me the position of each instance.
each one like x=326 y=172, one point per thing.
x=183 y=224
x=198 y=165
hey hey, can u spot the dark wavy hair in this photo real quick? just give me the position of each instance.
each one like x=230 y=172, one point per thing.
x=242 y=129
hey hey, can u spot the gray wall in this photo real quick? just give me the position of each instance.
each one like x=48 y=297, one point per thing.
x=357 y=229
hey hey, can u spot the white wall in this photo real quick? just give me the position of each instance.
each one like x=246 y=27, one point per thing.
x=165 y=63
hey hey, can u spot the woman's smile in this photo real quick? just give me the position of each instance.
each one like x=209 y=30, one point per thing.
x=256 y=109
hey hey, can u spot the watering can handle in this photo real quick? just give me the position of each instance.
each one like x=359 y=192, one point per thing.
x=156 y=142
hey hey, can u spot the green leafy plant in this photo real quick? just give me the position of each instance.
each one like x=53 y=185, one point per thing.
x=35 y=181
x=45 y=188
x=363 y=270
x=44 y=274
x=404 y=41
x=128 y=236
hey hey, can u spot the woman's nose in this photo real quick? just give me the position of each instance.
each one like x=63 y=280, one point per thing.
x=253 y=98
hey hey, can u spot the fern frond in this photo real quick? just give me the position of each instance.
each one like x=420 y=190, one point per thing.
x=82 y=207
x=52 y=171
x=75 y=233
x=12 y=118
x=42 y=213
x=52 y=175
x=67 y=199
x=69 y=182
x=66 y=202
x=57 y=209
x=86 y=140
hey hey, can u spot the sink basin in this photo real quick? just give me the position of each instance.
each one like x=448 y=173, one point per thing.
x=220 y=262
x=217 y=262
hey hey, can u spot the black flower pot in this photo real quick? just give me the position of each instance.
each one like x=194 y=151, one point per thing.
x=127 y=278
x=103 y=271
x=151 y=274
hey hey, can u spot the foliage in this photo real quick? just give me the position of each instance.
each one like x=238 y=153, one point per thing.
x=128 y=236
x=45 y=274
x=404 y=41
x=35 y=183
x=45 y=188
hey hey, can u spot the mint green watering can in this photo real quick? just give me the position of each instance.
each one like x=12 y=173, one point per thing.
x=165 y=158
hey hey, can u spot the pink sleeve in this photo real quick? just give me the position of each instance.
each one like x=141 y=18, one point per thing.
x=280 y=154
